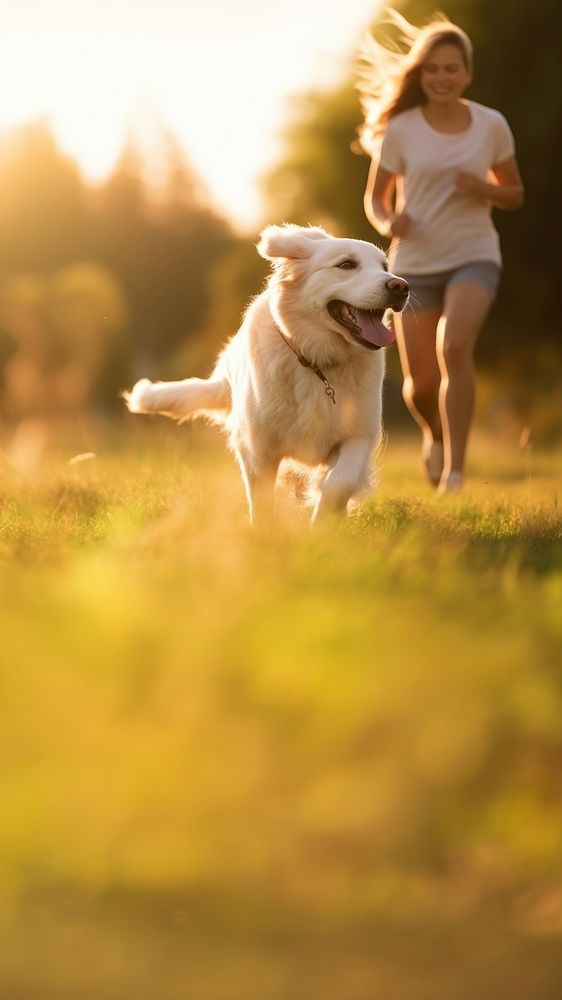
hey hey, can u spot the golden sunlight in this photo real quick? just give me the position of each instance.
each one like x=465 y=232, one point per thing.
x=219 y=75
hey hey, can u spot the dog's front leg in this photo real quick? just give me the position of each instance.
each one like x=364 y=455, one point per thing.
x=259 y=483
x=346 y=477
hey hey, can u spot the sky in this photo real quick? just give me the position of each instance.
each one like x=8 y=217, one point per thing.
x=219 y=72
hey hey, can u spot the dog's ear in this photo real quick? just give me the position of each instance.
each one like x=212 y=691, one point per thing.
x=289 y=242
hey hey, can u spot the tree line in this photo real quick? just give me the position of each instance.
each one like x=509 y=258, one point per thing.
x=159 y=279
x=112 y=277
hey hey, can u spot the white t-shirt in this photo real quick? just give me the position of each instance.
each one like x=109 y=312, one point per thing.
x=448 y=228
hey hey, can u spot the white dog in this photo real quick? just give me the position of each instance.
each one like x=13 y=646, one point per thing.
x=302 y=378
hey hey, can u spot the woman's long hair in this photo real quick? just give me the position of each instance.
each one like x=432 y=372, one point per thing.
x=389 y=74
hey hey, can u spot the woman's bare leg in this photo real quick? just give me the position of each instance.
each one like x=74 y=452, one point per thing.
x=466 y=306
x=416 y=336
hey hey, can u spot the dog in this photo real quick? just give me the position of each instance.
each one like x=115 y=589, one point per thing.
x=302 y=378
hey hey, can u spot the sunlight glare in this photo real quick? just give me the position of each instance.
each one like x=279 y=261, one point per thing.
x=218 y=75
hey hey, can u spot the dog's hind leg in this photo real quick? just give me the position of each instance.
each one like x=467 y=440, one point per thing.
x=179 y=400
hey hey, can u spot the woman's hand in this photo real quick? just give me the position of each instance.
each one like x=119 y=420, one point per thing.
x=504 y=191
x=467 y=183
x=400 y=224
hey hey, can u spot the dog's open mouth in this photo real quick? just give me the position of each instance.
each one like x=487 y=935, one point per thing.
x=365 y=325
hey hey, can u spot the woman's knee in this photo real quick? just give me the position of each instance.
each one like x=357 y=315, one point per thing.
x=456 y=355
x=419 y=391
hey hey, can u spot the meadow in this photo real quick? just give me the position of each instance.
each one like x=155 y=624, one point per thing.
x=278 y=764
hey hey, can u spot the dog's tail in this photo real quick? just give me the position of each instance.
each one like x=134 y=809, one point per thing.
x=180 y=400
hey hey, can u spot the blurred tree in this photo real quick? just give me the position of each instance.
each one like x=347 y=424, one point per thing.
x=236 y=278
x=66 y=334
x=319 y=179
x=517 y=70
x=159 y=233
x=88 y=313
x=149 y=237
x=44 y=215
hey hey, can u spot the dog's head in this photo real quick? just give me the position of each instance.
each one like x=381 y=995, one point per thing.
x=345 y=280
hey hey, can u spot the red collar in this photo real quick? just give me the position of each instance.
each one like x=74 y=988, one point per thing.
x=328 y=389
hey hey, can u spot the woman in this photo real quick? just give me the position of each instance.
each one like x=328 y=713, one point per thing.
x=439 y=165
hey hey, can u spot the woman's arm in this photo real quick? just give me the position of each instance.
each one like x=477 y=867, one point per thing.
x=378 y=203
x=505 y=191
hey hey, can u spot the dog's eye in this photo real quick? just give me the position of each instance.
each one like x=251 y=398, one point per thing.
x=385 y=266
x=348 y=264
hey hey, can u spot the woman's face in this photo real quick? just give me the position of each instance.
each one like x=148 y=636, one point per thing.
x=444 y=76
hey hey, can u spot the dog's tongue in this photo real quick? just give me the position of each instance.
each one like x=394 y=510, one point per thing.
x=372 y=329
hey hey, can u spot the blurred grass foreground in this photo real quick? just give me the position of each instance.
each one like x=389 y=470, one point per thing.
x=279 y=765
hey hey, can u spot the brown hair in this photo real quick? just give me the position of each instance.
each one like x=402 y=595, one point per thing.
x=389 y=74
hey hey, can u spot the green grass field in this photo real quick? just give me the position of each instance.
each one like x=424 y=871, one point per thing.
x=279 y=764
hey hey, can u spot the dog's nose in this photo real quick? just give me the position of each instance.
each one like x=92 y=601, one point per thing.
x=397 y=285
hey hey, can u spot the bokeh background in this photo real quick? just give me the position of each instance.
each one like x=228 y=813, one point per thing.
x=274 y=765
x=122 y=253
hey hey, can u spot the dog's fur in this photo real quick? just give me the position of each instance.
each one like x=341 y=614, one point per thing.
x=273 y=407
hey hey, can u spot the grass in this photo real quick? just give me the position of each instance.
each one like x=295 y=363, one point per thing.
x=279 y=764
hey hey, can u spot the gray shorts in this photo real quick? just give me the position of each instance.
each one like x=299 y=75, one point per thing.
x=427 y=291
